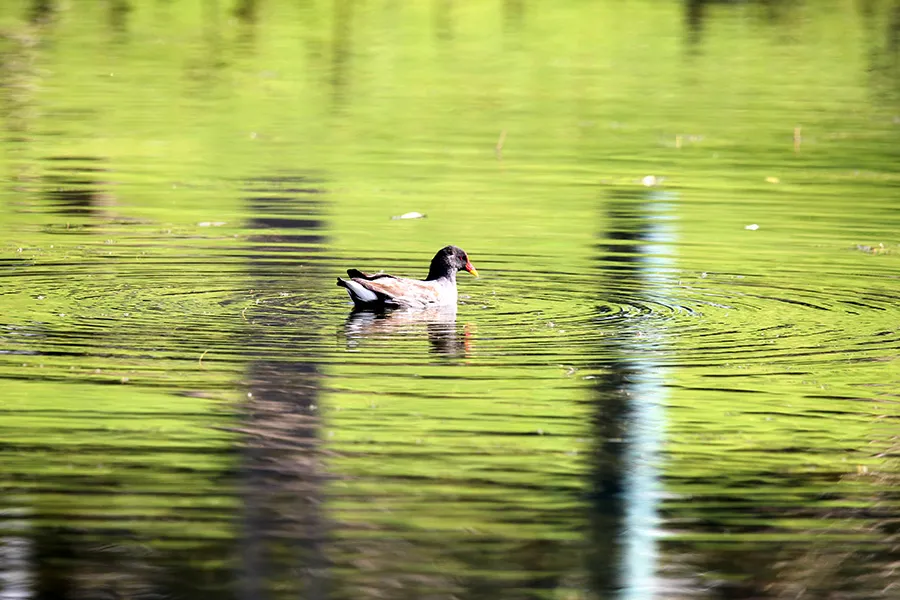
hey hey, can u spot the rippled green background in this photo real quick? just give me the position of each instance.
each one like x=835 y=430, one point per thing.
x=640 y=397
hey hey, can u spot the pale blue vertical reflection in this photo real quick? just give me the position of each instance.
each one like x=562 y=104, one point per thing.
x=642 y=487
x=640 y=559
x=16 y=556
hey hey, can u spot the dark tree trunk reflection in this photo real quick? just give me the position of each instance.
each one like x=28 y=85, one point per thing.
x=283 y=528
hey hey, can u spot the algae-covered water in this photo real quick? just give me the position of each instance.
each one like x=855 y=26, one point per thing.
x=677 y=376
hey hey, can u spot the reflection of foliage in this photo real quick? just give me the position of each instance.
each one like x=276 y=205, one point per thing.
x=882 y=24
x=247 y=10
x=779 y=12
x=17 y=77
x=855 y=566
x=43 y=11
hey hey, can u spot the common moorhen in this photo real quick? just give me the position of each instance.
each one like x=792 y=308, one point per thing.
x=380 y=290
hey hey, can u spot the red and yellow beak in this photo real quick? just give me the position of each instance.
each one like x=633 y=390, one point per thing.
x=470 y=268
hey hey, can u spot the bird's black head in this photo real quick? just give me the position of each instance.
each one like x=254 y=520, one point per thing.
x=448 y=261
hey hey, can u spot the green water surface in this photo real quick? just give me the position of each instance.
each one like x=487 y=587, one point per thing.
x=677 y=376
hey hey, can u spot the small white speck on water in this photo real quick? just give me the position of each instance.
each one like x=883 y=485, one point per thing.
x=751 y=227
x=409 y=215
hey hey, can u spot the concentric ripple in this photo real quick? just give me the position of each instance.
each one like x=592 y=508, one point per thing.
x=109 y=306
x=127 y=318
x=679 y=317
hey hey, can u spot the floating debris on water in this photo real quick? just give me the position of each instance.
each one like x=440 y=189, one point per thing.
x=879 y=249
x=751 y=227
x=409 y=215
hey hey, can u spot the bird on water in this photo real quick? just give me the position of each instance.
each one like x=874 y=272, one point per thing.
x=380 y=290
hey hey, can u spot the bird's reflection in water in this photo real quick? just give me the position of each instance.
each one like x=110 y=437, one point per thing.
x=445 y=337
